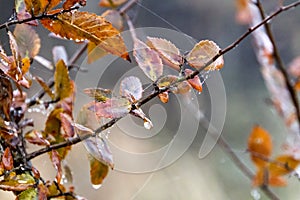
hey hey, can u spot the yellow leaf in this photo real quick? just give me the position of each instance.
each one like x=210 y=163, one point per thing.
x=98 y=172
x=80 y=26
x=63 y=88
x=259 y=146
x=111 y=3
x=94 y=52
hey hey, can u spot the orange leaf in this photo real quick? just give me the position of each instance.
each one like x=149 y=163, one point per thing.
x=36 y=7
x=259 y=146
x=7 y=159
x=94 y=52
x=264 y=178
x=282 y=165
x=164 y=97
x=111 y=3
x=195 y=82
x=69 y=3
x=203 y=52
x=80 y=26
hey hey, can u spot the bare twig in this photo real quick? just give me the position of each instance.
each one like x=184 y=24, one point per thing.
x=155 y=93
x=280 y=63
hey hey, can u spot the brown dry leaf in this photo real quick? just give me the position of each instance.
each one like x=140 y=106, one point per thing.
x=80 y=26
x=94 y=52
x=62 y=81
x=27 y=40
x=7 y=159
x=69 y=3
x=111 y=3
x=168 y=52
x=148 y=60
x=36 y=7
x=6 y=96
x=56 y=161
x=35 y=137
x=164 y=97
x=42 y=192
x=202 y=53
x=67 y=125
x=259 y=146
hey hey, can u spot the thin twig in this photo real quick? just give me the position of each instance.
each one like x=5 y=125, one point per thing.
x=281 y=67
x=155 y=93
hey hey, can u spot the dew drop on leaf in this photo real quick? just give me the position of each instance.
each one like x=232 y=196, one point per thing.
x=96 y=187
x=148 y=125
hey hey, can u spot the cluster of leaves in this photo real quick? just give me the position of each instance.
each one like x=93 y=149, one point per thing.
x=102 y=34
x=269 y=171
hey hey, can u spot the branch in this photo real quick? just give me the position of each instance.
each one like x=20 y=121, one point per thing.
x=39 y=17
x=141 y=102
x=281 y=67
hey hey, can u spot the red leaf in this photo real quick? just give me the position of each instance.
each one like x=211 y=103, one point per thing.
x=66 y=123
x=7 y=159
x=35 y=137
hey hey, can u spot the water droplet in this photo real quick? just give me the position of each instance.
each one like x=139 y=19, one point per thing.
x=255 y=194
x=96 y=187
x=148 y=125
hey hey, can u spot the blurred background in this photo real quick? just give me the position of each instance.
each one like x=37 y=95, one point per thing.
x=215 y=176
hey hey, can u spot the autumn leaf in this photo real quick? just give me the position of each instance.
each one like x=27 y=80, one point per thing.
x=98 y=148
x=111 y=3
x=112 y=108
x=195 y=82
x=202 y=53
x=56 y=161
x=29 y=194
x=36 y=7
x=164 y=97
x=166 y=81
x=62 y=81
x=98 y=172
x=80 y=26
x=168 y=52
x=17 y=183
x=94 y=52
x=42 y=192
x=131 y=88
x=45 y=87
x=259 y=146
x=282 y=165
x=181 y=88
x=35 y=137
x=67 y=125
x=148 y=60
x=27 y=40
x=6 y=95
x=264 y=178
x=7 y=159
x=70 y=3
x=98 y=94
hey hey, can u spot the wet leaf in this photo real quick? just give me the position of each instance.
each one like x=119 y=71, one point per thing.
x=140 y=114
x=166 y=81
x=148 y=60
x=67 y=125
x=99 y=94
x=203 y=52
x=263 y=178
x=259 y=146
x=98 y=172
x=80 y=26
x=195 y=82
x=282 y=165
x=111 y=3
x=99 y=149
x=27 y=40
x=6 y=95
x=114 y=17
x=62 y=81
x=59 y=53
x=56 y=161
x=164 y=97
x=29 y=194
x=94 y=52
x=35 y=137
x=17 y=183
x=7 y=159
x=36 y=7
x=45 y=86
x=112 y=108
x=70 y=3
x=168 y=52
x=131 y=88
x=181 y=88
